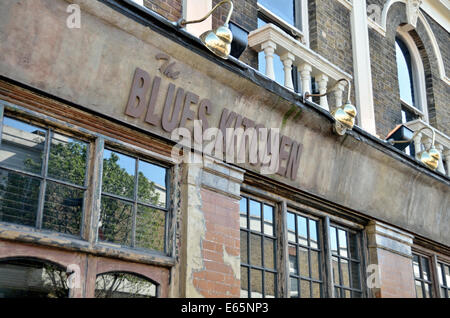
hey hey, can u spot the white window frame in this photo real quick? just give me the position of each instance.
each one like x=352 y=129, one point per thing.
x=418 y=77
x=304 y=35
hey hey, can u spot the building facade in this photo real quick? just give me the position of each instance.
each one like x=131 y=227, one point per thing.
x=134 y=162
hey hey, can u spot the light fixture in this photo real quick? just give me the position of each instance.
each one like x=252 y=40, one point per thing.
x=218 y=40
x=344 y=115
x=429 y=157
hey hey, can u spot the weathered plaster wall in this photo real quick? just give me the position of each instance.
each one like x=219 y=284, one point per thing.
x=94 y=66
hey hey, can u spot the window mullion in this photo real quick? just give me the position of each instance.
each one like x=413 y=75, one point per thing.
x=283 y=252
x=96 y=190
x=434 y=276
x=328 y=286
x=40 y=213
x=136 y=180
x=2 y=111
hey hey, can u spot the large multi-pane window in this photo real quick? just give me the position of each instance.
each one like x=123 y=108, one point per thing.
x=304 y=256
x=346 y=263
x=422 y=276
x=133 y=207
x=444 y=279
x=301 y=263
x=42 y=177
x=258 y=249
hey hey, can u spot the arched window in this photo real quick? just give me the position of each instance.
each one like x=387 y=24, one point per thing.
x=124 y=285
x=32 y=278
x=411 y=78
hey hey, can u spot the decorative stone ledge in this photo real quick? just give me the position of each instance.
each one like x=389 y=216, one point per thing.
x=386 y=237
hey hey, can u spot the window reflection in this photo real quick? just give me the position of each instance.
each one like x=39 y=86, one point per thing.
x=123 y=285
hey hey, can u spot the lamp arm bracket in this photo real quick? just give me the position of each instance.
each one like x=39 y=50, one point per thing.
x=307 y=94
x=414 y=136
x=183 y=22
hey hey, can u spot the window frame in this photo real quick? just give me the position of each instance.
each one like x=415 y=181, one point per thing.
x=135 y=200
x=254 y=187
x=417 y=73
x=88 y=242
x=263 y=236
x=43 y=176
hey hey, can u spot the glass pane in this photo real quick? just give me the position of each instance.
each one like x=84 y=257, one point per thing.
x=345 y=272
x=244 y=282
x=302 y=230
x=269 y=285
x=440 y=270
x=243 y=212
x=416 y=266
x=116 y=220
x=118 y=174
x=67 y=159
x=256 y=283
x=447 y=275
x=268 y=220
x=255 y=216
x=293 y=266
x=356 y=294
x=19 y=198
x=152 y=184
x=342 y=243
x=314 y=243
x=334 y=263
x=291 y=227
x=427 y=290
x=347 y=294
x=22 y=146
x=333 y=240
x=255 y=250
x=337 y=292
x=294 y=288
x=25 y=278
x=425 y=269
x=305 y=289
x=419 y=291
x=355 y=275
x=150 y=228
x=316 y=290
x=269 y=253
x=123 y=285
x=244 y=247
x=315 y=265
x=404 y=72
x=304 y=265
x=353 y=240
x=63 y=209
x=282 y=8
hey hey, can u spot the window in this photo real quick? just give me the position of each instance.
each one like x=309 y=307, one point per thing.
x=444 y=279
x=304 y=256
x=42 y=177
x=411 y=78
x=133 y=207
x=123 y=285
x=31 y=278
x=422 y=276
x=258 y=249
x=346 y=263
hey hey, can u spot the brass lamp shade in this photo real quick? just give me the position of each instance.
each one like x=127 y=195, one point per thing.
x=430 y=158
x=345 y=117
x=218 y=41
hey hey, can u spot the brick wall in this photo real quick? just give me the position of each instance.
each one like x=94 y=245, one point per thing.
x=220 y=243
x=245 y=15
x=170 y=9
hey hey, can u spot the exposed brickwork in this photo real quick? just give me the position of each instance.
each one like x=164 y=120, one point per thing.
x=221 y=238
x=396 y=273
x=170 y=9
x=245 y=15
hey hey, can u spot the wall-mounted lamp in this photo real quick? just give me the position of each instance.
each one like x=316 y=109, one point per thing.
x=344 y=115
x=218 y=40
x=429 y=157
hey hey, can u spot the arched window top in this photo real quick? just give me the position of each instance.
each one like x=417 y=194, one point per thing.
x=32 y=278
x=405 y=72
x=124 y=285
